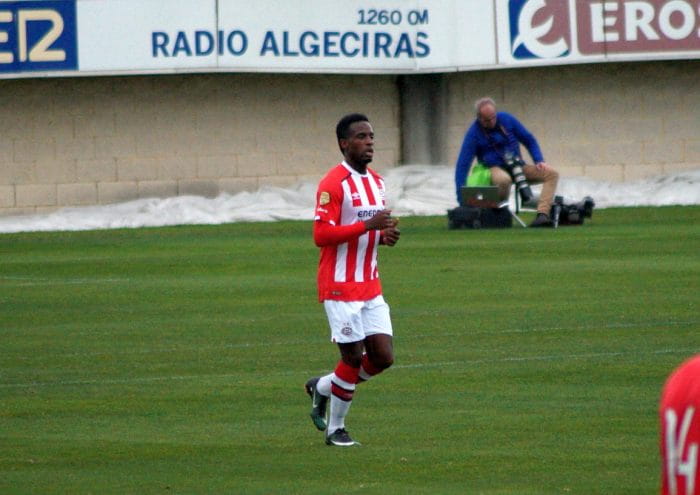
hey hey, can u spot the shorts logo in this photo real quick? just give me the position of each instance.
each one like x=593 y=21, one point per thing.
x=346 y=330
x=324 y=198
x=539 y=28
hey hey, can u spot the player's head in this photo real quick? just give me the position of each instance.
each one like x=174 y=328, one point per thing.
x=679 y=413
x=355 y=138
x=486 y=112
x=342 y=129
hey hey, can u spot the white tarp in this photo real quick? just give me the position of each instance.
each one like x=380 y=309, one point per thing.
x=412 y=190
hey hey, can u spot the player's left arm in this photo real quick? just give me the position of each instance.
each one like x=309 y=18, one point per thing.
x=390 y=235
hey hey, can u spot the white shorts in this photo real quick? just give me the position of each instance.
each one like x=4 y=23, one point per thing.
x=352 y=321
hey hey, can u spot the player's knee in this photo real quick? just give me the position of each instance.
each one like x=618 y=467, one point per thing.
x=353 y=361
x=383 y=361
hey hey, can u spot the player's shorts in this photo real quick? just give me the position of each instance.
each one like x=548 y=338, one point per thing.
x=352 y=321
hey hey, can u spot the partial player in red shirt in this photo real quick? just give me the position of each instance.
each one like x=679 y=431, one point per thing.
x=350 y=222
x=680 y=430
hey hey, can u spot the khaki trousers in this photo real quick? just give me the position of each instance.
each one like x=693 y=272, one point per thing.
x=548 y=177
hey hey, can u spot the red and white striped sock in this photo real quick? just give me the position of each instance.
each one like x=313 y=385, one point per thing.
x=367 y=369
x=342 y=389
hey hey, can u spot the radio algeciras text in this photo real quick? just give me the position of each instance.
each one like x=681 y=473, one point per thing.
x=286 y=44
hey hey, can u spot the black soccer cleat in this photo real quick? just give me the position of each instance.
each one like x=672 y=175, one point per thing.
x=340 y=438
x=318 y=404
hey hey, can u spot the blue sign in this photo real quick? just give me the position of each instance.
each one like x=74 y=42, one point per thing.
x=539 y=28
x=38 y=35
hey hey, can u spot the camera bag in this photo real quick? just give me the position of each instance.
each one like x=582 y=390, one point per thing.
x=470 y=217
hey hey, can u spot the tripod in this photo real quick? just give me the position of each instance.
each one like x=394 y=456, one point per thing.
x=516 y=198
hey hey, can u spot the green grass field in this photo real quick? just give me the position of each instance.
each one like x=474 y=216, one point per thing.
x=172 y=360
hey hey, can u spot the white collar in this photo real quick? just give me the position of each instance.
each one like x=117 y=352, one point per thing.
x=352 y=170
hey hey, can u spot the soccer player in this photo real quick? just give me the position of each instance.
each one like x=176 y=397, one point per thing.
x=350 y=222
x=680 y=430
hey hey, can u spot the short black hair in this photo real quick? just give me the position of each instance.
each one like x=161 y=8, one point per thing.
x=343 y=128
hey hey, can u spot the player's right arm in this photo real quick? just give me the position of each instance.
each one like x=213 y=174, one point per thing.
x=327 y=228
x=331 y=235
x=327 y=234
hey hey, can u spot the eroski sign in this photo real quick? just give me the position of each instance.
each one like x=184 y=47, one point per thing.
x=635 y=26
x=543 y=30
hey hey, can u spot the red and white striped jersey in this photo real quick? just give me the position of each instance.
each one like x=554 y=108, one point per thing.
x=348 y=263
x=679 y=413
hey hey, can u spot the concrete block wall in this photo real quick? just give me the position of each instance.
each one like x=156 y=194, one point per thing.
x=615 y=121
x=85 y=141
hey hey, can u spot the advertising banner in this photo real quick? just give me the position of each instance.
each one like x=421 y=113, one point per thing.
x=295 y=35
x=118 y=35
x=152 y=36
x=552 y=32
x=105 y=37
x=38 y=36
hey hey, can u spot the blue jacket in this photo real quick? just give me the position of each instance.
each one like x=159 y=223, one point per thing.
x=491 y=146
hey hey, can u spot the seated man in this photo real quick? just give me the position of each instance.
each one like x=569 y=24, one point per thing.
x=492 y=139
